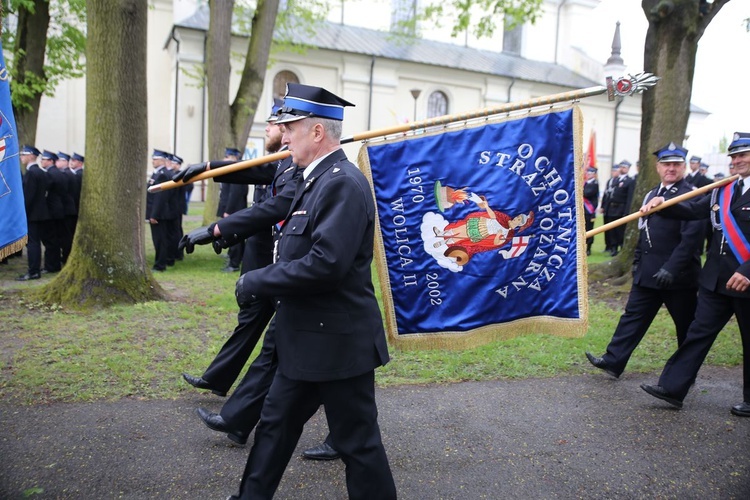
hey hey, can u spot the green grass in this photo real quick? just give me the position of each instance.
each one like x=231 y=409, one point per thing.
x=50 y=354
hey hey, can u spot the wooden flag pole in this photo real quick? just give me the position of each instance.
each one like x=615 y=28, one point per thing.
x=667 y=203
x=613 y=88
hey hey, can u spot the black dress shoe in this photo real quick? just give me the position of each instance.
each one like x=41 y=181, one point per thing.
x=660 y=392
x=28 y=276
x=214 y=422
x=229 y=269
x=321 y=452
x=741 y=410
x=199 y=383
x=601 y=364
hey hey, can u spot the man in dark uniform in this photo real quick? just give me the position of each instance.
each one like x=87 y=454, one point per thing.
x=56 y=201
x=76 y=167
x=241 y=412
x=724 y=284
x=609 y=187
x=590 y=202
x=69 y=204
x=232 y=198
x=175 y=163
x=695 y=177
x=665 y=269
x=329 y=336
x=620 y=195
x=37 y=212
x=161 y=212
x=258 y=219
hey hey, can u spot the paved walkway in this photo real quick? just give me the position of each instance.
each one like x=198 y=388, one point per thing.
x=587 y=436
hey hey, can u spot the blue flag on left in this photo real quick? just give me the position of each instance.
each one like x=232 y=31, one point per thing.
x=13 y=228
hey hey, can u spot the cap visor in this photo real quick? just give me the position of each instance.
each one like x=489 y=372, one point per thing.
x=287 y=118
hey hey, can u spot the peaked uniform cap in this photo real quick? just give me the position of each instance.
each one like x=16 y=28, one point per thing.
x=232 y=152
x=78 y=157
x=158 y=153
x=671 y=153
x=175 y=159
x=695 y=159
x=49 y=155
x=306 y=101
x=740 y=143
x=63 y=156
x=624 y=163
x=275 y=108
x=29 y=150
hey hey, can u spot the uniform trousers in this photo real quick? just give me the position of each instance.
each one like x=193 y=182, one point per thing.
x=609 y=236
x=352 y=419
x=55 y=230
x=34 y=246
x=242 y=410
x=712 y=314
x=643 y=305
x=231 y=358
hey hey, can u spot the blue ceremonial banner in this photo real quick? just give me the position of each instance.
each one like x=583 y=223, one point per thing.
x=12 y=210
x=480 y=230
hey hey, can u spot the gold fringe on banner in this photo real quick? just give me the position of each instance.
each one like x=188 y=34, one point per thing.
x=501 y=331
x=12 y=248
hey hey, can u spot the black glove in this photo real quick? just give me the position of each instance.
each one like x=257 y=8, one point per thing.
x=187 y=173
x=200 y=236
x=243 y=297
x=664 y=278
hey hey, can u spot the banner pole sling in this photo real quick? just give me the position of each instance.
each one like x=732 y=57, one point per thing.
x=614 y=88
x=667 y=203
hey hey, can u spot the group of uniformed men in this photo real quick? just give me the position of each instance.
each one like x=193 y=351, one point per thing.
x=52 y=191
x=667 y=271
x=164 y=210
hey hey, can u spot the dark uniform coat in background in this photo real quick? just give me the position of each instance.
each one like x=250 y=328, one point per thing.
x=37 y=214
x=164 y=206
x=716 y=304
x=663 y=243
x=58 y=201
x=233 y=198
x=591 y=193
x=616 y=204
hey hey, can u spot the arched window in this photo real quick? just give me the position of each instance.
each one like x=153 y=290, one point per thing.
x=437 y=104
x=280 y=81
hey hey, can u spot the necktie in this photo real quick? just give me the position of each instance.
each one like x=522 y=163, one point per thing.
x=661 y=192
x=738 y=190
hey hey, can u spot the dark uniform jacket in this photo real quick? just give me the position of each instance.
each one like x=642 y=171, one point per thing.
x=697 y=180
x=162 y=205
x=261 y=217
x=668 y=243
x=591 y=193
x=78 y=176
x=616 y=200
x=35 y=193
x=328 y=324
x=70 y=203
x=56 y=193
x=721 y=263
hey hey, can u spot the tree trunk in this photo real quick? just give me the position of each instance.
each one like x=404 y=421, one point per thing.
x=28 y=60
x=254 y=73
x=674 y=29
x=108 y=264
x=218 y=73
x=230 y=125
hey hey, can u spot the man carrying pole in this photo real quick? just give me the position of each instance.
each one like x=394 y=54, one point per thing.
x=724 y=281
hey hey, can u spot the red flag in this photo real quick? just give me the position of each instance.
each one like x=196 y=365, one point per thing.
x=590 y=160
